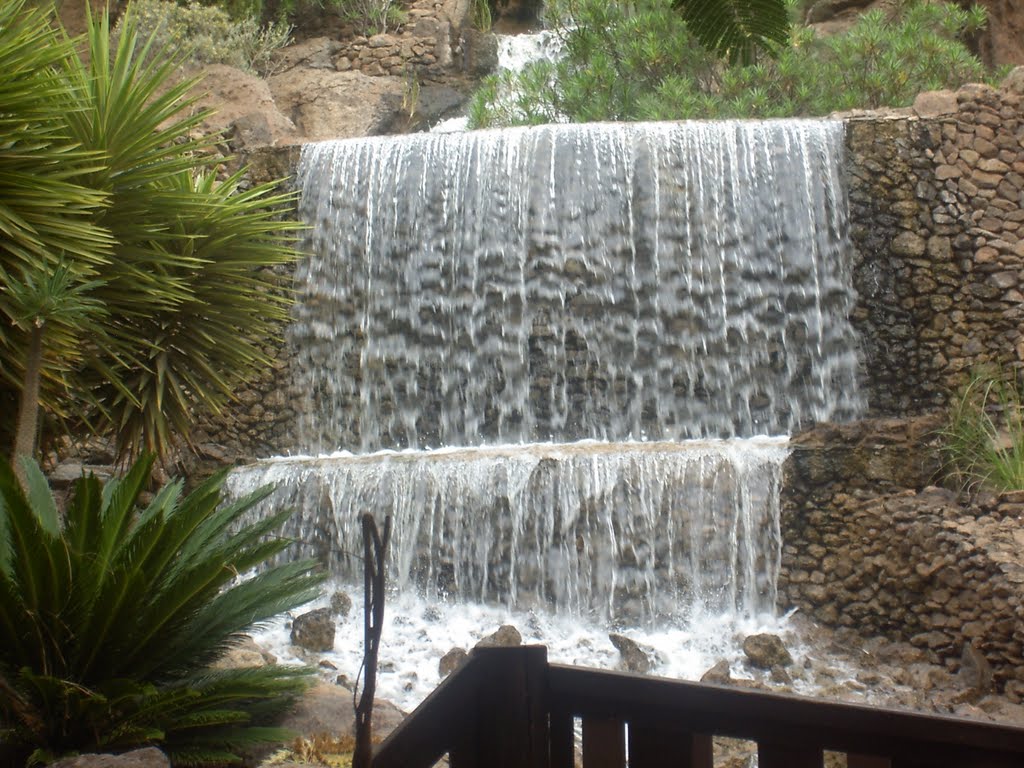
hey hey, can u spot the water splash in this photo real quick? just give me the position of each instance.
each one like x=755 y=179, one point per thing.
x=632 y=533
x=617 y=282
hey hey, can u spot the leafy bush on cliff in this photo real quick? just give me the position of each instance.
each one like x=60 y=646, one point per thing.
x=207 y=34
x=638 y=61
x=111 y=616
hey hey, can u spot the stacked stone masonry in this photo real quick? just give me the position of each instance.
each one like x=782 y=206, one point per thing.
x=869 y=545
x=938 y=224
x=436 y=39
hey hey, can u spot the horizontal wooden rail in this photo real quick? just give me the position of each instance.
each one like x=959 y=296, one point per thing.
x=508 y=708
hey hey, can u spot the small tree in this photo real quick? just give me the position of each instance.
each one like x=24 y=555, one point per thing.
x=46 y=306
x=182 y=264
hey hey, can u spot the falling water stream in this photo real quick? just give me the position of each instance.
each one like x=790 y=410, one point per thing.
x=557 y=356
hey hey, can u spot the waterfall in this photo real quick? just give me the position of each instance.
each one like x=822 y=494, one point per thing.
x=614 y=282
x=633 y=532
x=591 y=326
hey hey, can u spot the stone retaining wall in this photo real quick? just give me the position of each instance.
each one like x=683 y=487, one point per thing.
x=936 y=216
x=870 y=546
x=437 y=39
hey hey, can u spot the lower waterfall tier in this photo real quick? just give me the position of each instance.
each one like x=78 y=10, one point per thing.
x=624 y=531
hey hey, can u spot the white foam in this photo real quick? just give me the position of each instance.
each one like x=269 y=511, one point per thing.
x=418 y=633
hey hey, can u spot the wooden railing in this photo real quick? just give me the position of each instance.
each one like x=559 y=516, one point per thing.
x=509 y=708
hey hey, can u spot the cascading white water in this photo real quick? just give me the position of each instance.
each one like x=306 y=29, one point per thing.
x=591 y=326
x=613 y=282
x=634 y=532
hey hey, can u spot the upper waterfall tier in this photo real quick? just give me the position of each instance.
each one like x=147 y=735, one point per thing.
x=642 y=281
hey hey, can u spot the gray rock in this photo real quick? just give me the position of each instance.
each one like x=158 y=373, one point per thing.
x=150 y=757
x=1014 y=82
x=314 y=631
x=244 y=653
x=451 y=661
x=314 y=53
x=935 y=104
x=766 y=651
x=245 y=109
x=507 y=636
x=324 y=104
x=480 y=52
x=341 y=604
x=720 y=674
x=975 y=670
x=633 y=656
x=327 y=708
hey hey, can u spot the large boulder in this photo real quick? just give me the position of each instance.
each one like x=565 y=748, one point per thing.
x=314 y=631
x=337 y=105
x=766 y=651
x=327 y=709
x=245 y=109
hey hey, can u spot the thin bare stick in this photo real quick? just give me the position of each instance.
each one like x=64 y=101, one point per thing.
x=375 y=548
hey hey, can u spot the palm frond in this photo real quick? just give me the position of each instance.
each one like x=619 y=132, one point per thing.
x=736 y=29
x=108 y=622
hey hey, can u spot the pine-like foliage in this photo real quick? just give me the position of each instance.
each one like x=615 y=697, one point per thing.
x=111 y=615
x=651 y=60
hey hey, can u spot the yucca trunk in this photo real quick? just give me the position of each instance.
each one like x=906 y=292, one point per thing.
x=28 y=410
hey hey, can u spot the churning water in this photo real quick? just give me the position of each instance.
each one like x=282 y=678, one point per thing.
x=593 y=327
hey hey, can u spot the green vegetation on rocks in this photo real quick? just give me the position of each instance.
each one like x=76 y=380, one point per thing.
x=640 y=61
x=208 y=34
x=106 y=178
x=112 y=613
x=983 y=439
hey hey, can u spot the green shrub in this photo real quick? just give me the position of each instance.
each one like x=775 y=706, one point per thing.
x=638 y=61
x=111 y=616
x=983 y=440
x=371 y=16
x=483 y=18
x=209 y=34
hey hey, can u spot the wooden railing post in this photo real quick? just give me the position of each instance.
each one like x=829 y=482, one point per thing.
x=660 y=747
x=512 y=711
x=604 y=743
x=789 y=756
x=562 y=735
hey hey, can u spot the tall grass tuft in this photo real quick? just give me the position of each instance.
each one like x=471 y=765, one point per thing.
x=984 y=436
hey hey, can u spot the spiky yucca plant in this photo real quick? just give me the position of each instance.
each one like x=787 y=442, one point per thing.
x=105 y=171
x=111 y=616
